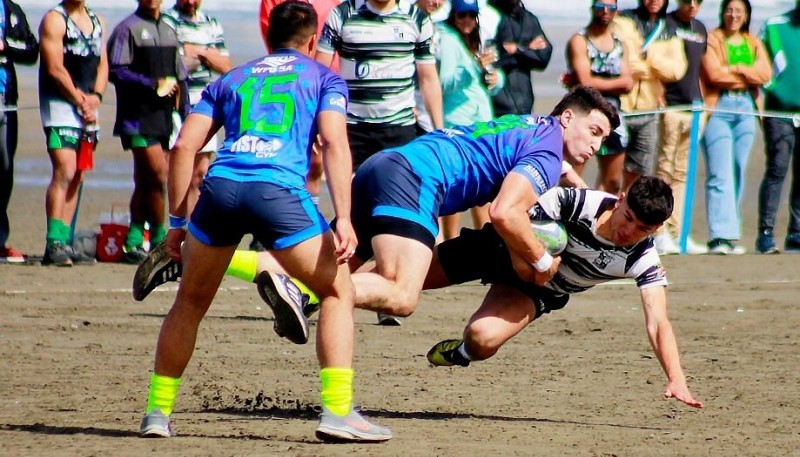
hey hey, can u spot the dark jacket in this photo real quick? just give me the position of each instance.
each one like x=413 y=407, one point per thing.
x=519 y=26
x=20 y=46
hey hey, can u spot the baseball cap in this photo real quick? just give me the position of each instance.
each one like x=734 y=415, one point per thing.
x=462 y=6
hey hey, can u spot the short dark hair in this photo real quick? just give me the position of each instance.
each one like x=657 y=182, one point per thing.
x=650 y=199
x=584 y=99
x=290 y=24
x=748 y=9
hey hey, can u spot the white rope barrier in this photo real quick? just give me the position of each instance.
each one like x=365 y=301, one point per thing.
x=794 y=117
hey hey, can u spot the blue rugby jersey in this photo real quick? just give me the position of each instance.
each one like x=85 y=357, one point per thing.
x=472 y=161
x=268 y=108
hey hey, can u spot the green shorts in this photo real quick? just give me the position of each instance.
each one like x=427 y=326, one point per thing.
x=62 y=137
x=142 y=141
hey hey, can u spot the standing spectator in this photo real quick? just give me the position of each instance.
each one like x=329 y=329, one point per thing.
x=147 y=73
x=522 y=48
x=469 y=79
x=381 y=46
x=781 y=35
x=203 y=52
x=676 y=126
x=660 y=59
x=72 y=78
x=734 y=69
x=596 y=58
x=17 y=45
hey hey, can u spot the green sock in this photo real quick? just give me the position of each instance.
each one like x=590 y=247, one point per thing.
x=135 y=235
x=157 y=234
x=66 y=231
x=243 y=265
x=312 y=297
x=163 y=391
x=55 y=231
x=337 y=389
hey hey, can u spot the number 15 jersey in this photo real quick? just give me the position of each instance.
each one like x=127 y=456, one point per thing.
x=268 y=108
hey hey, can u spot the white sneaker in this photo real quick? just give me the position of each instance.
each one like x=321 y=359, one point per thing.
x=695 y=248
x=666 y=245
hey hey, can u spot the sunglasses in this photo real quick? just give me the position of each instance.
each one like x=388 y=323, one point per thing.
x=686 y=2
x=604 y=6
x=463 y=14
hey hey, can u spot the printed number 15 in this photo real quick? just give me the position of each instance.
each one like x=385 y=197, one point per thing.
x=259 y=102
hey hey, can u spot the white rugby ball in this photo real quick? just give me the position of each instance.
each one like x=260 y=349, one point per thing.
x=552 y=234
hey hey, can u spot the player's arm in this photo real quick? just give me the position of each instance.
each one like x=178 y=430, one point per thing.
x=431 y=89
x=51 y=33
x=217 y=60
x=338 y=164
x=665 y=346
x=195 y=132
x=509 y=215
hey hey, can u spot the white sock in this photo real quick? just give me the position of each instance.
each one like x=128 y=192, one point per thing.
x=462 y=349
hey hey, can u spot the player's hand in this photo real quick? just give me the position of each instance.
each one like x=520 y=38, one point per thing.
x=543 y=277
x=679 y=391
x=175 y=239
x=510 y=47
x=346 y=238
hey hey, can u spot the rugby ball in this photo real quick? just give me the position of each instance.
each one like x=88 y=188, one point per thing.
x=552 y=234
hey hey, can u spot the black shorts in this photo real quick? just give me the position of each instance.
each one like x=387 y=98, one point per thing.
x=482 y=254
x=387 y=225
x=366 y=139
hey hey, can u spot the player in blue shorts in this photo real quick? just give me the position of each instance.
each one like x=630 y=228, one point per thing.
x=272 y=110
x=608 y=238
x=399 y=193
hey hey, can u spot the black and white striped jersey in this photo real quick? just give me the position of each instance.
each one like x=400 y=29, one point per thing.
x=589 y=259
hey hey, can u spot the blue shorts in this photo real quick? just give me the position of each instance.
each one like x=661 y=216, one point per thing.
x=386 y=189
x=276 y=216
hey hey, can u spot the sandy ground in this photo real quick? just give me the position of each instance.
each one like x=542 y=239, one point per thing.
x=76 y=354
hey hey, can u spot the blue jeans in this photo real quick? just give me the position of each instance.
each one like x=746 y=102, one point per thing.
x=783 y=154
x=727 y=142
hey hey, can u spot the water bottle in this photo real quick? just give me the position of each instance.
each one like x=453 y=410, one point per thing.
x=86 y=146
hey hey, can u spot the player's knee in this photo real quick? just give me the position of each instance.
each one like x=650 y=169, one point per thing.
x=403 y=303
x=482 y=341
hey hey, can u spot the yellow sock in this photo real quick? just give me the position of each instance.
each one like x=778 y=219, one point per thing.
x=163 y=391
x=312 y=297
x=337 y=389
x=243 y=265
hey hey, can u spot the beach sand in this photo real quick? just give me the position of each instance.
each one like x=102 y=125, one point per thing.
x=77 y=352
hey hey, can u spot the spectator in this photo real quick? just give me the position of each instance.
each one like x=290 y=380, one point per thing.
x=202 y=48
x=781 y=35
x=522 y=48
x=660 y=59
x=392 y=44
x=597 y=58
x=17 y=45
x=72 y=78
x=469 y=78
x=673 y=150
x=147 y=73
x=734 y=69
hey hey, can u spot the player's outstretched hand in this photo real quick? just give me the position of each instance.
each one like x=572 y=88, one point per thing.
x=680 y=392
x=175 y=238
x=346 y=240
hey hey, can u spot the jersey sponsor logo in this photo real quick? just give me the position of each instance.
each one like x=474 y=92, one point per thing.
x=537 y=178
x=362 y=70
x=68 y=133
x=603 y=260
x=338 y=102
x=275 y=64
x=263 y=149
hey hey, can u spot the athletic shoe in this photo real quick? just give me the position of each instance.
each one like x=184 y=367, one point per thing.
x=57 y=255
x=309 y=307
x=720 y=246
x=157 y=269
x=695 y=248
x=666 y=245
x=133 y=254
x=156 y=425
x=445 y=354
x=11 y=255
x=286 y=301
x=792 y=243
x=350 y=428
x=389 y=321
x=765 y=244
